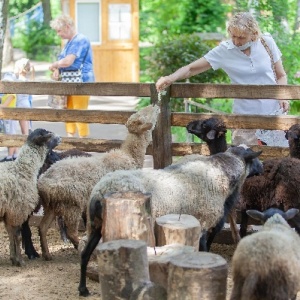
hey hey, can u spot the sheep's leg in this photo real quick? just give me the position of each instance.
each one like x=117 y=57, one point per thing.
x=95 y=209
x=72 y=231
x=27 y=241
x=14 y=233
x=43 y=228
x=244 y=223
x=202 y=242
x=85 y=257
x=214 y=232
x=62 y=229
x=233 y=227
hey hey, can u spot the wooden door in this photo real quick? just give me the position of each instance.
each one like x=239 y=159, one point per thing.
x=116 y=50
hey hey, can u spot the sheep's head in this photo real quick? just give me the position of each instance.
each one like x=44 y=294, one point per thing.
x=41 y=137
x=208 y=129
x=254 y=165
x=293 y=136
x=143 y=120
x=271 y=212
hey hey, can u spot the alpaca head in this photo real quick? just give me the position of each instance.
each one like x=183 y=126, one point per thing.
x=143 y=120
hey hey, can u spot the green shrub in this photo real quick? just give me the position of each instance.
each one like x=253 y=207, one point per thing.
x=40 y=42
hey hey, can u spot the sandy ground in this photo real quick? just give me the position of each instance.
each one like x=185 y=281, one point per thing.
x=52 y=280
x=58 y=279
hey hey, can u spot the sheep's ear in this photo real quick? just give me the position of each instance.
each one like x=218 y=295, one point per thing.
x=211 y=135
x=255 y=214
x=291 y=213
x=249 y=156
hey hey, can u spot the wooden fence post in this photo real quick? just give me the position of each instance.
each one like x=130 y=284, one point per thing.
x=161 y=136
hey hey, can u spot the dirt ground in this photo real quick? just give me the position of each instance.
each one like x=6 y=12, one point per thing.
x=58 y=279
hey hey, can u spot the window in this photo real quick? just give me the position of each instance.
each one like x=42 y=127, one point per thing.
x=88 y=16
x=119 y=22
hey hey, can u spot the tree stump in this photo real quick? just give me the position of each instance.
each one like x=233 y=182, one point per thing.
x=159 y=259
x=149 y=291
x=124 y=272
x=128 y=216
x=174 y=228
x=198 y=275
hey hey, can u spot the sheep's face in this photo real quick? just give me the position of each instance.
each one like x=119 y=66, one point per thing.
x=207 y=130
x=293 y=134
x=41 y=137
x=143 y=120
x=254 y=165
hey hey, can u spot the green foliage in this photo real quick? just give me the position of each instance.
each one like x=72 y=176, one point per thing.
x=172 y=53
x=18 y=6
x=172 y=17
x=39 y=43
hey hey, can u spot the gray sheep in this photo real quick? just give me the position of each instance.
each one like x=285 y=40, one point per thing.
x=66 y=186
x=266 y=264
x=18 y=189
x=276 y=186
x=205 y=188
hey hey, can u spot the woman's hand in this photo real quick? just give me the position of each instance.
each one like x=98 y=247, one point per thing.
x=284 y=105
x=55 y=74
x=163 y=82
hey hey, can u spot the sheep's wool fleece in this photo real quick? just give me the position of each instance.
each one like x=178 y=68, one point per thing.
x=68 y=183
x=272 y=253
x=18 y=189
x=198 y=188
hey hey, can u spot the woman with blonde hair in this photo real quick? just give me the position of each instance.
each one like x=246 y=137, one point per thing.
x=77 y=54
x=248 y=57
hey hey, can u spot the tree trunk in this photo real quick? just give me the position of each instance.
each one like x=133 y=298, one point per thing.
x=3 y=23
x=174 y=228
x=123 y=267
x=47 y=12
x=127 y=216
x=198 y=275
x=159 y=260
x=297 y=17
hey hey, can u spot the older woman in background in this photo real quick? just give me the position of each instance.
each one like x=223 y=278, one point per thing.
x=76 y=54
x=248 y=57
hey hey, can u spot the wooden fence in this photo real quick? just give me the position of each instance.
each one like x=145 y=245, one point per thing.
x=162 y=147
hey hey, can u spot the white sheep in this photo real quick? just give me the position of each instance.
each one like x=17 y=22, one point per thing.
x=205 y=188
x=266 y=264
x=18 y=189
x=66 y=186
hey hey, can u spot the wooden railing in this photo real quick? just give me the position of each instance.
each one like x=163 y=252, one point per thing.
x=162 y=147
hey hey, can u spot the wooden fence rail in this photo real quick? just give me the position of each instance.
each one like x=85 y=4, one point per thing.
x=162 y=147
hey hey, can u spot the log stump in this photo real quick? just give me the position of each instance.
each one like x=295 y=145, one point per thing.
x=128 y=216
x=198 y=275
x=124 y=272
x=159 y=259
x=177 y=228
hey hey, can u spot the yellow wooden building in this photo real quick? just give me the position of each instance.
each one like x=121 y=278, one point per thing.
x=113 y=29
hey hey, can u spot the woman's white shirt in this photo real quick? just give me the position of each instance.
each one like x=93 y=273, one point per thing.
x=253 y=69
